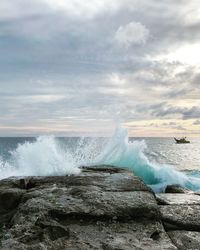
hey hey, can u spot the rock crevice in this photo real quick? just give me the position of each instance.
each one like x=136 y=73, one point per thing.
x=101 y=208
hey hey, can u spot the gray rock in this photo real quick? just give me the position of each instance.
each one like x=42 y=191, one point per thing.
x=101 y=208
x=176 y=189
x=185 y=240
x=181 y=216
x=178 y=199
x=9 y=200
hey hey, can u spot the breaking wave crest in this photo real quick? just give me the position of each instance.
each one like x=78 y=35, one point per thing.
x=123 y=153
x=40 y=158
x=50 y=156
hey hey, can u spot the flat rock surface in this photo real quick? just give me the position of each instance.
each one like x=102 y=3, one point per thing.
x=178 y=199
x=183 y=217
x=185 y=240
x=101 y=208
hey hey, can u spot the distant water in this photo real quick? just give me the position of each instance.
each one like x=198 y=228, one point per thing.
x=158 y=161
x=181 y=156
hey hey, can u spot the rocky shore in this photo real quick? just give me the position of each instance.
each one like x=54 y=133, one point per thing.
x=101 y=208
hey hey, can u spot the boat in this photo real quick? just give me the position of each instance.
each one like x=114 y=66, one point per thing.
x=182 y=140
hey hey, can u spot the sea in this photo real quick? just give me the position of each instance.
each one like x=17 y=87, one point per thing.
x=157 y=161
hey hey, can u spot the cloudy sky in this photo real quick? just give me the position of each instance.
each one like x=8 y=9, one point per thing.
x=74 y=67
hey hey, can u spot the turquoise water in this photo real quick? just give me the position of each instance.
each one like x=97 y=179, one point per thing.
x=158 y=161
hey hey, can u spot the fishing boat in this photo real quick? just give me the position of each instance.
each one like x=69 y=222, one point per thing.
x=182 y=140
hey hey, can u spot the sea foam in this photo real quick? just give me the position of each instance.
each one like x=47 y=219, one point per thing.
x=120 y=152
x=43 y=157
x=47 y=156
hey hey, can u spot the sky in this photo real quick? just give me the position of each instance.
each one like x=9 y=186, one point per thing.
x=74 y=67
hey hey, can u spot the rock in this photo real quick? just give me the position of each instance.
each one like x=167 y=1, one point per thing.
x=10 y=198
x=176 y=189
x=181 y=216
x=185 y=240
x=101 y=208
x=178 y=199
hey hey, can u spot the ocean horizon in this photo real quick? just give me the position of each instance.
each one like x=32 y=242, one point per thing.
x=151 y=158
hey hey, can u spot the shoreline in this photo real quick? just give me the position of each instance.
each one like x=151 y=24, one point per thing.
x=100 y=208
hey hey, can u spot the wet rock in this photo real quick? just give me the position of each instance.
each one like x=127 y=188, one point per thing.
x=176 y=189
x=101 y=208
x=185 y=240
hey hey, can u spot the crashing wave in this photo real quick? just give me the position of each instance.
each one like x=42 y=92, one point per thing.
x=48 y=156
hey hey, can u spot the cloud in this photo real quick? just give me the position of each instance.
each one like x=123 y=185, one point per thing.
x=131 y=34
x=179 y=128
x=169 y=123
x=197 y=122
x=83 y=9
x=164 y=109
x=20 y=9
x=196 y=80
x=70 y=62
x=74 y=9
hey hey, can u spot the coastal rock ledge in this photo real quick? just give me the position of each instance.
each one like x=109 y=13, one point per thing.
x=101 y=208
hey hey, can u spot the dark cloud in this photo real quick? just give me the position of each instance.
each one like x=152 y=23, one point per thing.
x=168 y=110
x=197 y=122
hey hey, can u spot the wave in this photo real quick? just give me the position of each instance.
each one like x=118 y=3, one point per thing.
x=48 y=156
x=123 y=153
x=43 y=157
